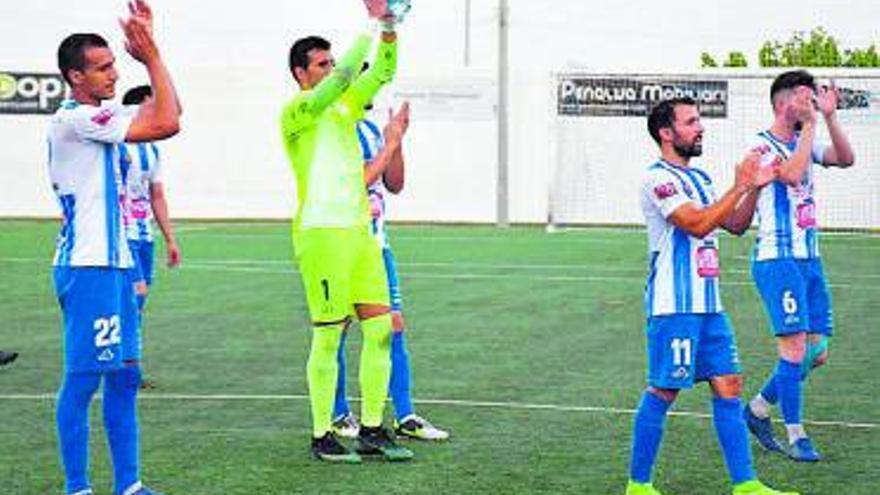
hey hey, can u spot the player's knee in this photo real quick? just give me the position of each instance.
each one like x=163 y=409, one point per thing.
x=368 y=311
x=668 y=395
x=326 y=338
x=728 y=386
x=793 y=348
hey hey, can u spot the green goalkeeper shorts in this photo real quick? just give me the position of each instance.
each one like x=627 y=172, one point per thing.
x=340 y=268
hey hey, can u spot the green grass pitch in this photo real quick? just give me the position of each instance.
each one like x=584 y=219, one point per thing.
x=528 y=346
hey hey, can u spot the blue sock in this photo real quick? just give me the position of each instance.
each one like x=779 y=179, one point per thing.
x=734 y=438
x=770 y=391
x=647 y=434
x=400 y=377
x=141 y=301
x=120 y=421
x=72 y=417
x=788 y=379
x=340 y=406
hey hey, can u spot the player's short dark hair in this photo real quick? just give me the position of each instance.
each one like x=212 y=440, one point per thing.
x=72 y=51
x=663 y=115
x=137 y=95
x=790 y=80
x=299 y=51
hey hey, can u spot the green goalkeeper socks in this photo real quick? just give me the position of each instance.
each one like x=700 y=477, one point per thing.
x=375 y=370
x=321 y=373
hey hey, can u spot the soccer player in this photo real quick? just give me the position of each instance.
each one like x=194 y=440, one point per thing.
x=786 y=265
x=99 y=311
x=7 y=357
x=340 y=264
x=144 y=200
x=689 y=336
x=383 y=177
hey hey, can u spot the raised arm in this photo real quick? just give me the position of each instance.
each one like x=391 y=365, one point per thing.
x=332 y=87
x=840 y=153
x=310 y=104
x=791 y=171
x=160 y=118
x=381 y=71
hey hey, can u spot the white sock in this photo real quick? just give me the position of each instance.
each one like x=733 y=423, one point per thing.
x=760 y=407
x=795 y=432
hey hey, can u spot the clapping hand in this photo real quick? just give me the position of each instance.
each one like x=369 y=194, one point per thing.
x=747 y=169
x=397 y=124
x=138 y=29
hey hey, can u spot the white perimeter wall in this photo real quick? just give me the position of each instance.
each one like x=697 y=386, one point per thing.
x=600 y=160
x=229 y=63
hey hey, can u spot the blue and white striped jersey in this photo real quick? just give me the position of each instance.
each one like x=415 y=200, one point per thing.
x=86 y=178
x=684 y=270
x=372 y=142
x=140 y=168
x=786 y=214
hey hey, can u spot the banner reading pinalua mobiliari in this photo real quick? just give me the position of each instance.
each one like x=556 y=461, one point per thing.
x=610 y=96
x=30 y=92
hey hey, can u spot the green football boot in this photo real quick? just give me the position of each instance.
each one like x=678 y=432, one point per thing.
x=378 y=441
x=755 y=487
x=633 y=488
x=329 y=449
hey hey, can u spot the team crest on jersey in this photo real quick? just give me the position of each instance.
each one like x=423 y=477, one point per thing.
x=687 y=189
x=103 y=117
x=664 y=191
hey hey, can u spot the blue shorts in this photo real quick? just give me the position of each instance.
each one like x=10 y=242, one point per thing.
x=393 y=282
x=795 y=295
x=687 y=348
x=142 y=253
x=131 y=336
x=99 y=313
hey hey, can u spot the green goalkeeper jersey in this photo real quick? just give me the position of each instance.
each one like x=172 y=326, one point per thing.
x=318 y=129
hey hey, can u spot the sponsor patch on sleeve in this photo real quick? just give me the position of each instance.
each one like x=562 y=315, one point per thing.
x=666 y=190
x=103 y=117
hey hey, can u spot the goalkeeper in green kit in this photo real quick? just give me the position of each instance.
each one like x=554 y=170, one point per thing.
x=341 y=265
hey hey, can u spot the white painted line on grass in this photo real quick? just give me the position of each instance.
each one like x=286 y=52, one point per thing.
x=286 y=267
x=147 y=396
x=283 y=223
x=491 y=276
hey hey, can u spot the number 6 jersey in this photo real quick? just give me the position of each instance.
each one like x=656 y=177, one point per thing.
x=786 y=214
